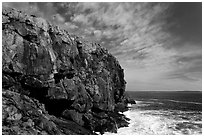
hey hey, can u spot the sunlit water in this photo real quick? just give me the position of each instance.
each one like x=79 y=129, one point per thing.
x=163 y=117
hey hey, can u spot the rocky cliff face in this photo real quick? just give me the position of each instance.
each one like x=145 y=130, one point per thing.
x=52 y=81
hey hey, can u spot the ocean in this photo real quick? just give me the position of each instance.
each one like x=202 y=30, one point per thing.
x=164 y=113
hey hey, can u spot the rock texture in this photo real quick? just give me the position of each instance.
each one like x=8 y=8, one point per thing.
x=24 y=115
x=52 y=80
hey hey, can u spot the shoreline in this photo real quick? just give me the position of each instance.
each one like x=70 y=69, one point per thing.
x=127 y=115
x=160 y=122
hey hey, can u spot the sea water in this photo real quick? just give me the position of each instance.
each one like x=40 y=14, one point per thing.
x=164 y=113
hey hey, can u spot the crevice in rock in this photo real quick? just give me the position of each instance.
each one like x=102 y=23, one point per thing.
x=96 y=110
x=57 y=106
x=53 y=106
x=59 y=76
x=12 y=74
x=38 y=93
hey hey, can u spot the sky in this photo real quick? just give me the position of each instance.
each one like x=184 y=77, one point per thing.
x=159 y=45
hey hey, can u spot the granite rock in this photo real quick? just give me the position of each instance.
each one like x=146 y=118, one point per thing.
x=75 y=80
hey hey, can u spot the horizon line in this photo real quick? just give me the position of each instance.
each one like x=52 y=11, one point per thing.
x=166 y=90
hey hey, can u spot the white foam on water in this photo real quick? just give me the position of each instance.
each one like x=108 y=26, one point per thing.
x=152 y=122
x=129 y=105
x=142 y=125
x=138 y=102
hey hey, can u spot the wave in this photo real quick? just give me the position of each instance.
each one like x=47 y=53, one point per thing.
x=154 y=122
x=197 y=103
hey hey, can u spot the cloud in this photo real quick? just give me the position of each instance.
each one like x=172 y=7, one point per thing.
x=138 y=34
x=58 y=19
x=24 y=6
x=188 y=66
x=80 y=18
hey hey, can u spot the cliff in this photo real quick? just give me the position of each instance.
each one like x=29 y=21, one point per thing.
x=55 y=83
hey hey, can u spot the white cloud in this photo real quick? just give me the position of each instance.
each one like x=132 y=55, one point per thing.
x=71 y=25
x=80 y=18
x=58 y=18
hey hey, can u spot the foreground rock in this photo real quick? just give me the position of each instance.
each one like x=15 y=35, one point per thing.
x=77 y=82
x=24 y=115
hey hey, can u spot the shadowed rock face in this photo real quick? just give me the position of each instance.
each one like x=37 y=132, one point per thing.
x=75 y=80
x=24 y=115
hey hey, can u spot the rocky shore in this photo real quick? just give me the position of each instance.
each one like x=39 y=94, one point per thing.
x=55 y=83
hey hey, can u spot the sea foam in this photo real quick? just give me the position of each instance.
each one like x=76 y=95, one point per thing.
x=160 y=122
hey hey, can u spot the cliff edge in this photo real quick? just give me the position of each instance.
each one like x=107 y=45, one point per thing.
x=55 y=83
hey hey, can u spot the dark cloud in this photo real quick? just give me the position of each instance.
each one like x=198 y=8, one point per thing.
x=196 y=57
x=187 y=19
